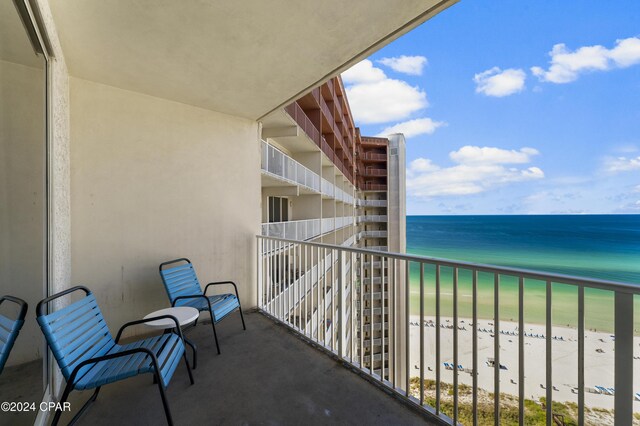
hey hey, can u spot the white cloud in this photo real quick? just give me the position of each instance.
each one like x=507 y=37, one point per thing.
x=375 y=98
x=488 y=155
x=621 y=164
x=363 y=72
x=498 y=83
x=411 y=65
x=566 y=66
x=636 y=189
x=626 y=53
x=477 y=170
x=411 y=128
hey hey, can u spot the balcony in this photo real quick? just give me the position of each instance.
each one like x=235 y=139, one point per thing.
x=374 y=156
x=372 y=218
x=371 y=203
x=374 y=172
x=280 y=165
x=445 y=356
x=373 y=234
x=303 y=230
x=264 y=376
x=374 y=187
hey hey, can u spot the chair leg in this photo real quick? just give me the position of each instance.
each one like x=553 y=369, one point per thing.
x=65 y=395
x=215 y=335
x=85 y=406
x=241 y=316
x=186 y=361
x=165 y=403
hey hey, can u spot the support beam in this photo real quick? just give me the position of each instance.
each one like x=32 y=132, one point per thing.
x=280 y=132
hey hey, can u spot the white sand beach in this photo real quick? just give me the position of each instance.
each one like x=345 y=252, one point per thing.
x=599 y=359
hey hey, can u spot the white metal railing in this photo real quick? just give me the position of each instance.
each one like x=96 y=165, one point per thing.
x=304 y=229
x=373 y=234
x=277 y=163
x=347 y=295
x=371 y=203
x=327 y=188
x=294 y=229
x=372 y=218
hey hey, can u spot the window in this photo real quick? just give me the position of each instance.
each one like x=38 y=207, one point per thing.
x=278 y=209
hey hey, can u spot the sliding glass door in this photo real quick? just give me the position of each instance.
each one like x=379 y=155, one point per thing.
x=23 y=194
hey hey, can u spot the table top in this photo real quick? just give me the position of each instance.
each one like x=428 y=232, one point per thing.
x=184 y=314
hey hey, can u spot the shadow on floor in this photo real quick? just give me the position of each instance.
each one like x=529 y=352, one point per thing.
x=264 y=376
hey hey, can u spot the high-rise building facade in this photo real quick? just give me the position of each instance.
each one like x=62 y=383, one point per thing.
x=324 y=182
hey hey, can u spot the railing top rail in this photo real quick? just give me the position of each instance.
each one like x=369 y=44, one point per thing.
x=503 y=270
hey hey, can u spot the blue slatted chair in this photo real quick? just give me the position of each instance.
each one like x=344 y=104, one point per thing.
x=183 y=288
x=89 y=357
x=9 y=328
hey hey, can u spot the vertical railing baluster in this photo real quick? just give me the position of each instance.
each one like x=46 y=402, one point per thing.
x=455 y=346
x=361 y=310
x=421 y=333
x=549 y=371
x=341 y=309
x=279 y=289
x=268 y=277
x=382 y=333
x=259 y=260
x=474 y=313
x=437 y=407
x=352 y=331
x=623 y=347
x=300 y=286
x=318 y=289
x=581 y=356
x=392 y=326
x=521 y=350
x=407 y=328
x=496 y=347
x=295 y=290
x=324 y=296
x=371 y=369
x=307 y=274
x=334 y=283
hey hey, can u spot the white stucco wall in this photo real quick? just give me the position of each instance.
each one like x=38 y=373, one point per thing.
x=153 y=180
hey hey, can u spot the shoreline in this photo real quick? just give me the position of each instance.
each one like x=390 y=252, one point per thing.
x=599 y=359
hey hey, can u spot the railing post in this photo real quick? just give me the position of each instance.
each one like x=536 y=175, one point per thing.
x=259 y=251
x=623 y=358
x=341 y=308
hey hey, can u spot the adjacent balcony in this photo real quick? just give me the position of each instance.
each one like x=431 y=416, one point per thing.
x=374 y=172
x=280 y=165
x=372 y=218
x=462 y=342
x=373 y=156
x=277 y=164
x=373 y=234
x=303 y=230
x=371 y=203
x=374 y=187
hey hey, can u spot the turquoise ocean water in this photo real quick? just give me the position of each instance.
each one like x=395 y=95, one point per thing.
x=597 y=246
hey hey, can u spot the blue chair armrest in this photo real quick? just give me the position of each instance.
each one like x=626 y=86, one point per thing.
x=103 y=358
x=142 y=321
x=195 y=296
x=222 y=283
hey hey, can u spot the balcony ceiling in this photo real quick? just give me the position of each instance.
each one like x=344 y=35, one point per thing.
x=244 y=58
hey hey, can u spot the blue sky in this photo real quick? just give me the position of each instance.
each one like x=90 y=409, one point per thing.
x=512 y=107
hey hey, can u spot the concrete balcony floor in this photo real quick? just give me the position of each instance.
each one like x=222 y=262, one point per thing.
x=265 y=375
